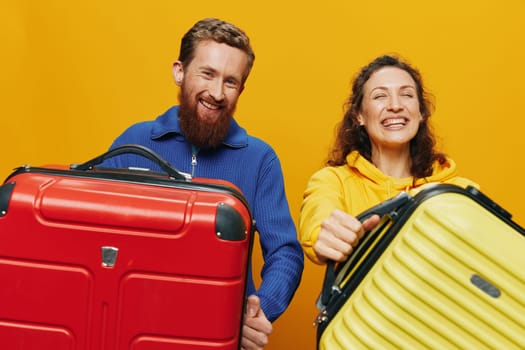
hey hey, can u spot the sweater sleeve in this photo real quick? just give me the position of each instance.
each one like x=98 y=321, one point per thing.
x=323 y=194
x=283 y=257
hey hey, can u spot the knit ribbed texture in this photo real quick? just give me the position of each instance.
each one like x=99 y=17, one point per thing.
x=253 y=166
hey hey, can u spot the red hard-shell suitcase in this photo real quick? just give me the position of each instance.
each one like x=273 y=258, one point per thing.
x=120 y=259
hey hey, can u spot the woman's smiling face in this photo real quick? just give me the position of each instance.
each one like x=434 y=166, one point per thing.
x=390 y=108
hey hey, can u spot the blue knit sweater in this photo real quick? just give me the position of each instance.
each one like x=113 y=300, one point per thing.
x=254 y=167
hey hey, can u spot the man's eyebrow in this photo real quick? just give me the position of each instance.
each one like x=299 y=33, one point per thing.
x=207 y=67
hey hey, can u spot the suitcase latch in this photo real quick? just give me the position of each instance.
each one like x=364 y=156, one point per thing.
x=109 y=256
x=321 y=318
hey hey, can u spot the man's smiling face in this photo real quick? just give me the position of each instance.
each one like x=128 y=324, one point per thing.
x=210 y=86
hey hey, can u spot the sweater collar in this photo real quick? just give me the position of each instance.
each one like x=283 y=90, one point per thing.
x=168 y=123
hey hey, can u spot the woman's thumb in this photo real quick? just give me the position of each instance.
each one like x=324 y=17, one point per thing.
x=371 y=222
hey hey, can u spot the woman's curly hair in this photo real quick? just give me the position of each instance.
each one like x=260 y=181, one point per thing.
x=351 y=136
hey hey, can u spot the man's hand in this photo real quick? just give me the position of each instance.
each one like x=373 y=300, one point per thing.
x=340 y=233
x=256 y=327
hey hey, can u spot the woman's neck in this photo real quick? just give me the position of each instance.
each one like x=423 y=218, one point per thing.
x=394 y=163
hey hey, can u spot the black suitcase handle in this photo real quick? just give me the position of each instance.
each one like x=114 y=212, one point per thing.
x=134 y=149
x=387 y=207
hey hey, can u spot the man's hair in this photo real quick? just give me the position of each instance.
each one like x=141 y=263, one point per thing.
x=219 y=31
x=351 y=136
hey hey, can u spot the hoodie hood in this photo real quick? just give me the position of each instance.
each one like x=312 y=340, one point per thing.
x=360 y=165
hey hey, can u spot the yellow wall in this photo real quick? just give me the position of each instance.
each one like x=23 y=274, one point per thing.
x=75 y=74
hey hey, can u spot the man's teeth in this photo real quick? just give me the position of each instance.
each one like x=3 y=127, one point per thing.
x=209 y=105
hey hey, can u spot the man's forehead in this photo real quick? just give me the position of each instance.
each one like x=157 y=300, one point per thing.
x=220 y=56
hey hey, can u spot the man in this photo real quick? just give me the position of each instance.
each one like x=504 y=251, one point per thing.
x=201 y=137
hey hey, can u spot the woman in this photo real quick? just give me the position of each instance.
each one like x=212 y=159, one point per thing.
x=384 y=145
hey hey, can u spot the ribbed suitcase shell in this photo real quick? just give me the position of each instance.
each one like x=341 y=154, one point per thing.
x=453 y=277
x=177 y=282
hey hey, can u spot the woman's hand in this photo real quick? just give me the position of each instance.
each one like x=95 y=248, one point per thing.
x=340 y=233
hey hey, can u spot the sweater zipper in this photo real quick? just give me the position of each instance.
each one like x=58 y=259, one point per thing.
x=194 y=151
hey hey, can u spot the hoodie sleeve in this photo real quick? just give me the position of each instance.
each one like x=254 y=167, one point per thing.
x=323 y=194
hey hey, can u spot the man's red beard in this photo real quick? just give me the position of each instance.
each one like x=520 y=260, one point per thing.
x=198 y=133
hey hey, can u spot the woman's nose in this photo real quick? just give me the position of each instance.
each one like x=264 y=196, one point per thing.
x=394 y=103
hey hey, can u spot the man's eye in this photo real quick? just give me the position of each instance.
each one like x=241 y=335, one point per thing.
x=231 y=83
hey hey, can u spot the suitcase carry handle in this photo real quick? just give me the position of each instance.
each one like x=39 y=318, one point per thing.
x=387 y=207
x=135 y=149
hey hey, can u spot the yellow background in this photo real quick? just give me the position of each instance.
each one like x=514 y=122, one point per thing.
x=75 y=74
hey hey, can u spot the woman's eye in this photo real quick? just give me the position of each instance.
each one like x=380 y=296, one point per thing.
x=408 y=93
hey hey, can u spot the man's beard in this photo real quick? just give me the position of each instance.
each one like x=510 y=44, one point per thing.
x=198 y=133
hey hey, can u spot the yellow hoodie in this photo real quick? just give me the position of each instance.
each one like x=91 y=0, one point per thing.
x=355 y=187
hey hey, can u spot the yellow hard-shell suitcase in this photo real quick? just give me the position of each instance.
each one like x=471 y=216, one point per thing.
x=444 y=269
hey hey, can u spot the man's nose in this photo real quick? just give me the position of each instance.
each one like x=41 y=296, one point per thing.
x=216 y=90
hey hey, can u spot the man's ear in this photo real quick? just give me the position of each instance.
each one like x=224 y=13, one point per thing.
x=178 y=72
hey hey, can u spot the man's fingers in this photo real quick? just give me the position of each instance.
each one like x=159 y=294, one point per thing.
x=246 y=342
x=252 y=338
x=256 y=328
x=253 y=305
